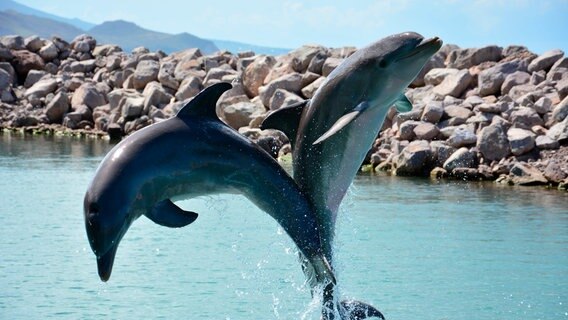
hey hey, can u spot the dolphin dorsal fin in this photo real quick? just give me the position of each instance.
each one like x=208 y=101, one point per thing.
x=205 y=102
x=286 y=119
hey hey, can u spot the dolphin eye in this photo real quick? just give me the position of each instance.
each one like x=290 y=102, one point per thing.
x=383 y=64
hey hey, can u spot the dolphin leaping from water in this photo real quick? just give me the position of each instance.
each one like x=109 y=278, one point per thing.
x=332 y=133
x=190 y=155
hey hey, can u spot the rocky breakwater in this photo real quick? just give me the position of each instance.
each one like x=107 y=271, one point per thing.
x=489 y=113
x=486 y=113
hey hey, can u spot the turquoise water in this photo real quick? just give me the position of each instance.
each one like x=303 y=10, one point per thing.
x=415 y=249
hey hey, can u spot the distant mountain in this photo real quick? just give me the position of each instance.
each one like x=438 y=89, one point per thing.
x=236 y=47
x=19 y=19
x=129 y=36
x=12 y=5
x=26 y=25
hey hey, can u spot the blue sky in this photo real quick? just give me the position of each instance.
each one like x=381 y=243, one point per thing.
x=540 y=25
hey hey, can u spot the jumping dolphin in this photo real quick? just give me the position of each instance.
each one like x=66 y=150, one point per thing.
x=190 y=155
x=332 y=133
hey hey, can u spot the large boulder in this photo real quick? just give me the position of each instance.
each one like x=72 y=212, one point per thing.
x=461 y=137
x=525 y=174
x=433 y=112
x=462 y=158
x=24 y=61
x=240 y=114
x=49 y=51
x=490 y=80
x=166 y=75
x=57 y=107
x=467 y=58
x=310 y=90
x=289 y=82
x=545 y=60
x=454 y=85
x=514 y=79
x=560 y=112
x=520 y=140
x=415 y=159
x=188 y=88
x=13 y=42
x=525 y=118
x=493 y=143
x=155 y=95
x=282 y=98
x=146 y=72
x=559 y=131
x=42 y=88
x=88 y=94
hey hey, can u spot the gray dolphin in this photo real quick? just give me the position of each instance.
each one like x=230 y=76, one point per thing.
x=332 y=133
x=190 y=155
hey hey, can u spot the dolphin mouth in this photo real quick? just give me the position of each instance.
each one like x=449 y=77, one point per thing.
x=430 y=45
x=105 y=263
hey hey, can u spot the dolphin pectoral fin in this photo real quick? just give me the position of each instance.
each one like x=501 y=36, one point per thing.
x=343 y=121
x=353 y=309
x=286 y=120
x=167 y=214
x=403 y=104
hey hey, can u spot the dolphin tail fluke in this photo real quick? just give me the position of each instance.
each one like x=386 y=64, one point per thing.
x=357 y=310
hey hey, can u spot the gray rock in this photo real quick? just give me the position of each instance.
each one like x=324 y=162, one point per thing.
x=146 y=72
x=115 y=96
x=435 y=76
x=520 y=140
x=304 y=56
x=13 y=42
x=545 y=142
x=88 y=94
x=84 y=66
x=6 y=80
x=525 y=118
x=426 y=131
x=559 y=131
x=48 y=52
x=282 y=98
x=57 y=108
x=557 y=74
x=33 y=43
x=461 y=137
x=83 y=43
x=155 y=95
x=454 y=85
x=316 y=64
x=329 y=65
x=189 y=87
x=462 y=158
x=255 y=73
x=562 y=88
x=415 y=159
x=524 y=174
x=560 y=63
x=545 y=60
x=166 y=75
x=490 y=80
x=437 y=61
x=131 y=107
x=517 y=92
x=560 y=112
x=24 y=61
x=556 y=172
x=406 y=130
x=433 y=112
x=240 y=114
x=543 y=105
x=466 y=58
x=309 y=90
x=493 y=143
x=290 y=82
x=42 y=88
x=514 y=79
x=216 y=74
x=441 y=152
x=106 y=50
x=458 y=113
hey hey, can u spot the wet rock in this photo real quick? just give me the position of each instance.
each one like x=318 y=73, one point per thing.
x=282 y=98
x=493 y=143
x=462 y=158
x=441 y=151
x=545 y=61
x=42 y=88
x=146 y=72
x=461 y=137
x=88 y=94
x=415 y=159
x=524 y=174
x=57 y=108
x=556 y=172
x=466 y=58
x=520 y=140
x=454 y=85
x=24 y=120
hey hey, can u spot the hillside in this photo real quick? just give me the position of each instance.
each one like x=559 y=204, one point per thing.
x=26 y=25
x=129 y=36
x=6 y=5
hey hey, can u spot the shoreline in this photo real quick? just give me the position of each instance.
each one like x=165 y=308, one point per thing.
x=491 y=113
